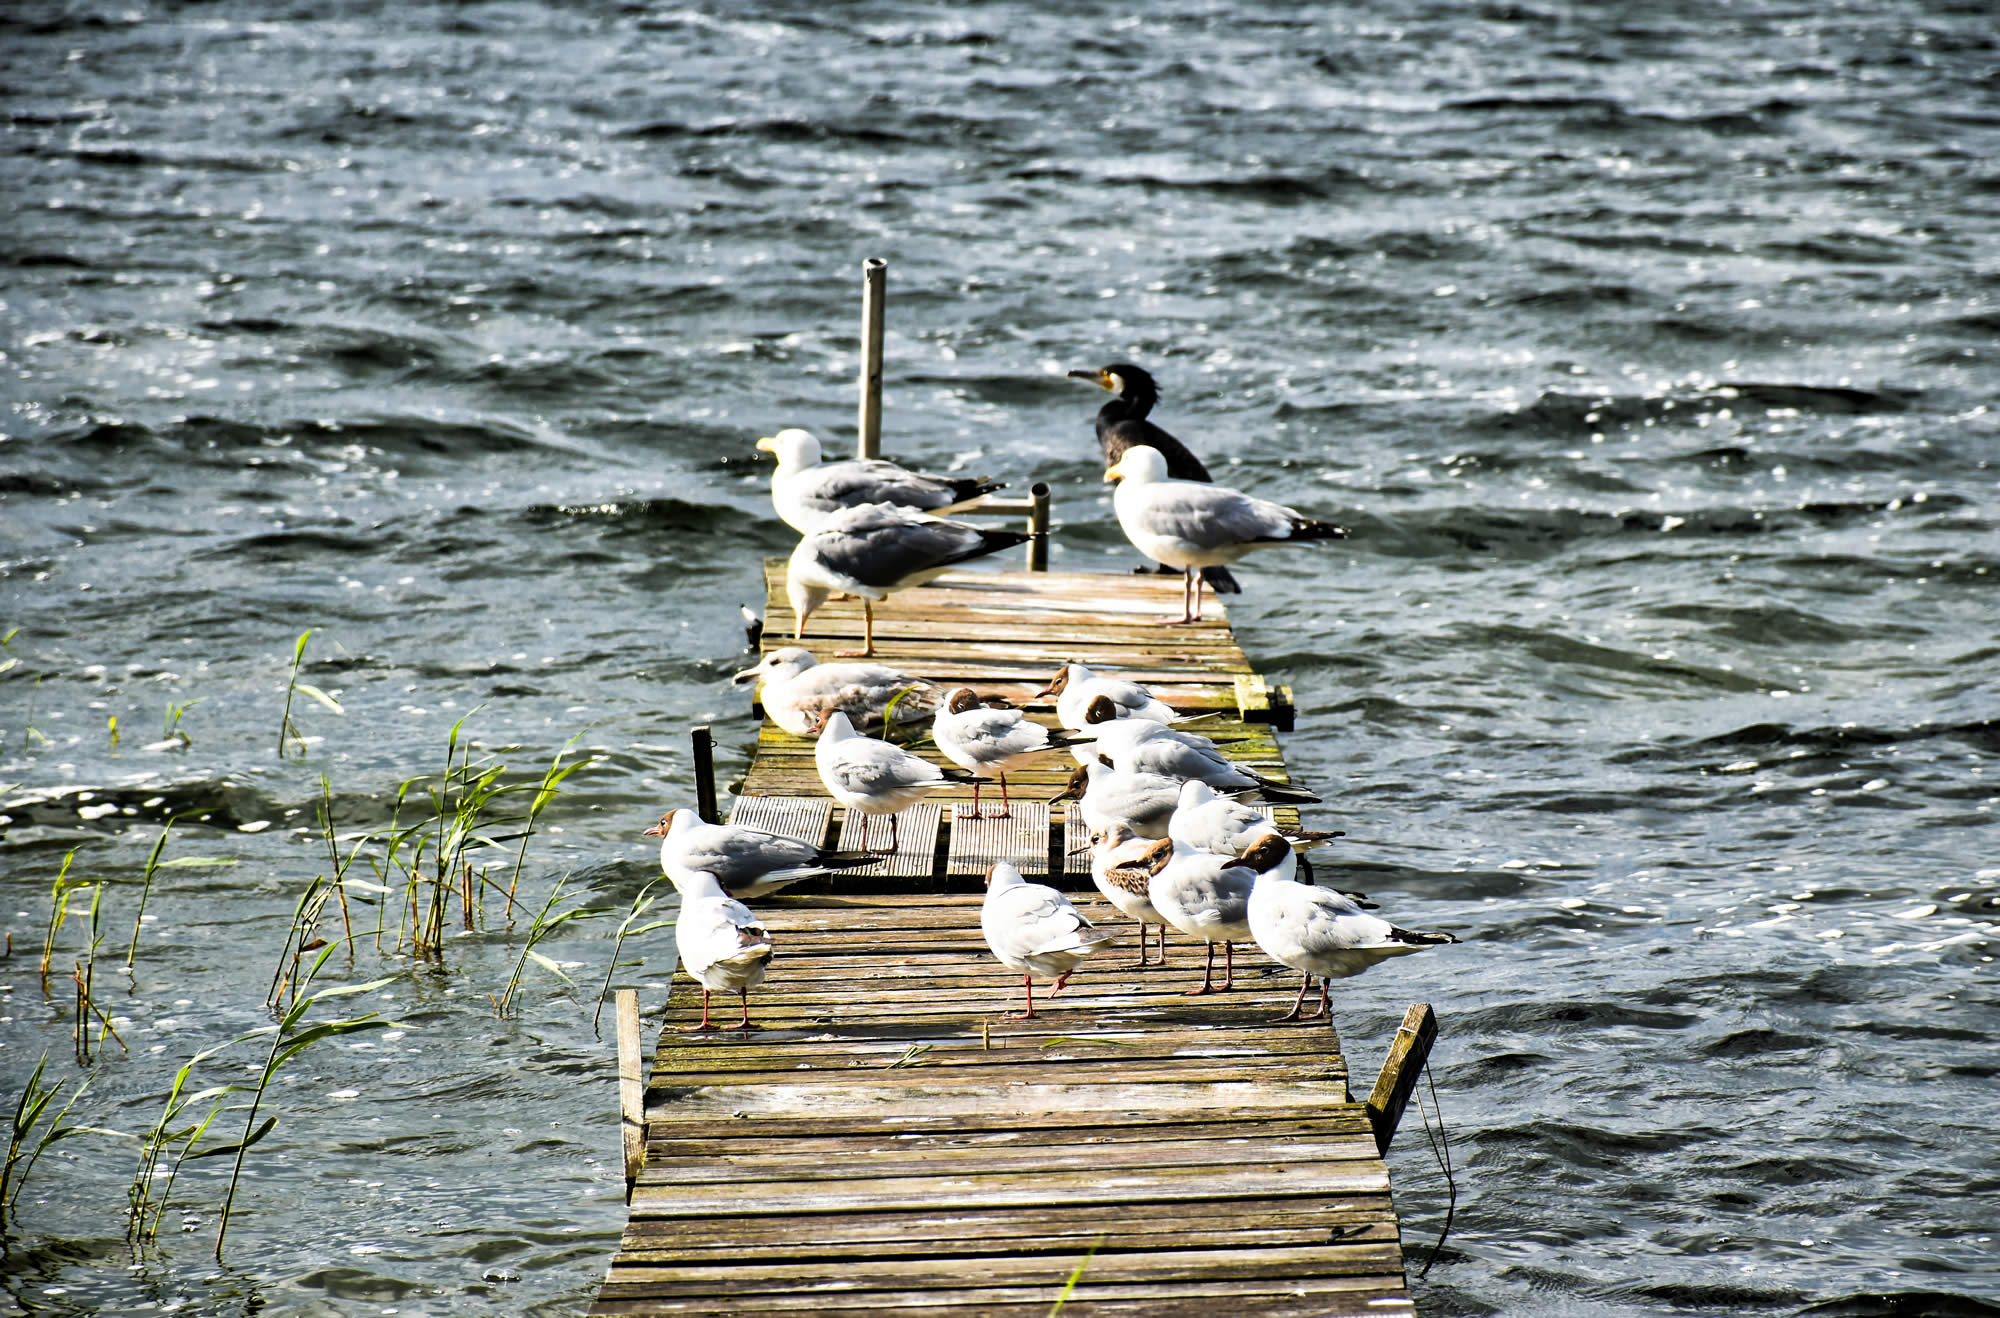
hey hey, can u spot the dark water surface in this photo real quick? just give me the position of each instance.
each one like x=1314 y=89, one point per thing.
x=1649 y=351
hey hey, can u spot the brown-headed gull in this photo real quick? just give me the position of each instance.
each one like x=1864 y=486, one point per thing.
x=1192 y=524
x=747 y=862
x=798 y=690
x=1121 y=865
x=1209 y=821
x=1137 y=745
x=1140 y=803
x=984 y=741
x=875 y=549
x=872 y=776
x=721 y=944
x=1034 y=929
x=1319 y=932
x=1076 y=686
x=1207 y=896
x=806 y=491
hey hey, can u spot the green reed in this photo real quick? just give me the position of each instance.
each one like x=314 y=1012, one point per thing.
x=35 y=1130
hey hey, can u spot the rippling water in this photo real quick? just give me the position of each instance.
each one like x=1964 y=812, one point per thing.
x=1648 y=350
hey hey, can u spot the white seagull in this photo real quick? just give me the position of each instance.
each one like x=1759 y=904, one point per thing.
x=989 y=741
x=1193 y=524
x=806 y=491
x=1121 y=865
x=875 y=549
x=1137 y=745
x=1208 y=821
x=746 y=862
x=798 y=690
x=1207 y=896
x=1319 y=932
x=1076 y=686
x=1140 y=803
x=872 y=776
x=1034 y=929
x=721 y=944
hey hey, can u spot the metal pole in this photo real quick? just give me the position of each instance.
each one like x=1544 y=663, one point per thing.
x=874 y=282
x=1038 y=526
x=704 y=774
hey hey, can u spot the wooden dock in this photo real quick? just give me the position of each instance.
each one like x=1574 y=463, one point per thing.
x=890 y=1142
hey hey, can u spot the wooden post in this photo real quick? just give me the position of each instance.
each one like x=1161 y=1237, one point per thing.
x=1038 y=526
x=874 y=283
x=1408 y=1052
x=631 y=1085
x=704 y=775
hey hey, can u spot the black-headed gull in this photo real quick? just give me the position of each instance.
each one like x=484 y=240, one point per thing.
x=1122 y=424
x=1034 y=929
x=721 y=944
x=1207 y=896
x=1141 y=803
x=806 y=491
x=1076 y=686
x=798 y=690
x=1319 y=932
x=872 y=776
x=747 y=862
x=1121 y=865
x=984 y=741
x=874 y=550
x=1137 y=745
x=1191 y=524
x=1209 y=821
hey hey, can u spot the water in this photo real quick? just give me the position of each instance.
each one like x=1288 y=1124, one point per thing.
x=1648 y=350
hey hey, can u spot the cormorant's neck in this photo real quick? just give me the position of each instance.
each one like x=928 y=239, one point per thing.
x=1132 y=403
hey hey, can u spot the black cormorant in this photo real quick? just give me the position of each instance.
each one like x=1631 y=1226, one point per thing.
x=1122 y=424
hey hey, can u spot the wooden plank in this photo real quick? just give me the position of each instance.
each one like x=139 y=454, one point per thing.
x=803 y=817
x=1408 y=1052
x=631 y=1085
x=1021 y=839
x=916 y=841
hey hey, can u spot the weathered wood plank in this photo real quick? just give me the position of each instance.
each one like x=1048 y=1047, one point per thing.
x=916 y=831
x=1021 y=838
x=803 y=817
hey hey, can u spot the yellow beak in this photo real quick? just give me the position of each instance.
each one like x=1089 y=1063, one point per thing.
x=768 y=444
x=1116 y=471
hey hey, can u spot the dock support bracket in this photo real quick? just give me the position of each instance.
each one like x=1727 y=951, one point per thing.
x=1408 y=1052
x=631 y=1085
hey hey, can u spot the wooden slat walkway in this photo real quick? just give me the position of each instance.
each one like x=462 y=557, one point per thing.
x=889 y=1142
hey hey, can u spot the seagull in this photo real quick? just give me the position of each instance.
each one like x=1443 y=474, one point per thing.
x=873 y=776
x=720 y=942
x=798 y=689
x=1122 y=424
x=1208 y=821
x=1140 y=803
x=982 y=740
x=746 y=862
x=1207 y=896
x=1190 y=524
x=1136 y=745
x=875 y=549
x=1121 y=865
x=806 y=491
x=1034 y=929
x=1319 y=932
x=1076 y=686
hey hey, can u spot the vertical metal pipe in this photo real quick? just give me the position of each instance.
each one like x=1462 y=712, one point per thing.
x=874 y=283
x=1038 y=526
x=704 y=774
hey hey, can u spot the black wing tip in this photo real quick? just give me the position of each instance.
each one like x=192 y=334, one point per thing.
x=1415 y=939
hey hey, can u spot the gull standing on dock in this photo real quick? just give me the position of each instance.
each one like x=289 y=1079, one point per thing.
x=1122 y=424
x=1034 y=929
x=1121 y=865
x=798 y=690
x=1188 y=524
x=1139 y=803
x=872 y=776
x=720 y=943
x=874 y=550
x=1209 y=821
x=1076 y=686
x=1207 y=896
x=806 y=491
x=746 y=862
x=990 y=741
x=1136 y=745
x=1319 y=932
